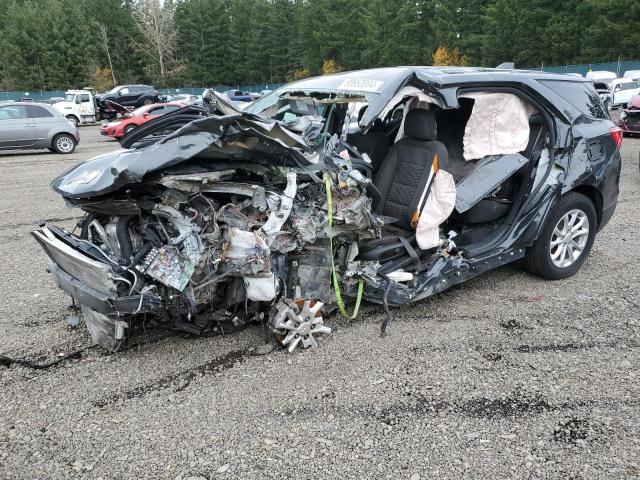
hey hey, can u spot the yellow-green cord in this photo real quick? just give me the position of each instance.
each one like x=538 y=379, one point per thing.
x=336 y=285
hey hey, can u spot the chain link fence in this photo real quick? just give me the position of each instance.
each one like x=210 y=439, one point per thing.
x=47 y=95
x=616 y=67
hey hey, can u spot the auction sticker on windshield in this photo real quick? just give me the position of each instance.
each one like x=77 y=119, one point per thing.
x=361 y=84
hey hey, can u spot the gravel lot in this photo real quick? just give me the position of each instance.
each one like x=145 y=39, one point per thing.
x=506 y=376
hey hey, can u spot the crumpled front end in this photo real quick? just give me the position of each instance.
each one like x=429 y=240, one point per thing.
x=213 y=243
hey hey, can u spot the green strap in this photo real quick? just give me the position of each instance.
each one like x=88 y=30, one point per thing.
x=336 y=285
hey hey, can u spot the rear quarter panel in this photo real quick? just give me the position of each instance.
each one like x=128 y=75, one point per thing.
x=53 y=126
x=594 y=161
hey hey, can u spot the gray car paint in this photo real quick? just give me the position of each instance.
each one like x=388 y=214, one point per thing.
x=33 y=132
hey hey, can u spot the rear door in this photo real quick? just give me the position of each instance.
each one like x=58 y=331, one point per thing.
x=43 y=119
x=126 y=96
x=17 y=129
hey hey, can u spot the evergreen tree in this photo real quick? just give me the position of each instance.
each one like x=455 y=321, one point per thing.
x=56 y=44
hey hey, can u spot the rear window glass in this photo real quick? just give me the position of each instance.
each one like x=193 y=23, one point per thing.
x=581 y=95
x=38 y=112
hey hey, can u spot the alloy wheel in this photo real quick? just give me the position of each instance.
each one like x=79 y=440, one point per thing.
x=64 y=144
x=569 y=238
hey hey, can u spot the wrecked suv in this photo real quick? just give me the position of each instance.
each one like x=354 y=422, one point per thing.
x=388 y=185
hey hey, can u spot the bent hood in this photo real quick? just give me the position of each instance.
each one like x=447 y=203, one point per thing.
x=230 y=137
x=115 y=106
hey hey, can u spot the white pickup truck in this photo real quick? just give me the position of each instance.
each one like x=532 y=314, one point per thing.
x=79 y=106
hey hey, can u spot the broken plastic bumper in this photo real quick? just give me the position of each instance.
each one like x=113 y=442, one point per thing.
x=102 y=303
x=90 y=282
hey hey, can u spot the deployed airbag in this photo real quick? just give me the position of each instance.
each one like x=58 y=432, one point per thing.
x=437 y=208
x=498 y=125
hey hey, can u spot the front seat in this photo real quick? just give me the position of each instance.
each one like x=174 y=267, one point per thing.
x=401 y=181
x=405 y=170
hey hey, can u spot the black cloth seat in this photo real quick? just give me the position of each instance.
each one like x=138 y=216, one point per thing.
x=401 y=180
x=405 y=170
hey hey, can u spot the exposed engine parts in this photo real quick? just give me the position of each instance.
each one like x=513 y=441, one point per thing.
x=207 y=249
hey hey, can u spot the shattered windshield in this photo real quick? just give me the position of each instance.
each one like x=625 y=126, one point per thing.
x=290 y=104
x=328 y=111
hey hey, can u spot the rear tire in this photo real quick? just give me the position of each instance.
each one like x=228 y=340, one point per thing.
x=63 y=143
x=566 y=239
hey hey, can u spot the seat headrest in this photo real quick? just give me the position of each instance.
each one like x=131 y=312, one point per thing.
x=421 y=124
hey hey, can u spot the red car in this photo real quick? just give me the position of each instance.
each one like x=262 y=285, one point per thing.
x=132 y=120
x=630 y=117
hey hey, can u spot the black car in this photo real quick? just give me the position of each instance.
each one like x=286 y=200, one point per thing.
x=388 y=185
x=130 y=95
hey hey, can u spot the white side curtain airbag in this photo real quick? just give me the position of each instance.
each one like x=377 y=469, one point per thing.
x=498 y=125
x=437 y=208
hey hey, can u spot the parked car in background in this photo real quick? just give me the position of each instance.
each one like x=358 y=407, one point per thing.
x=26 y=99
x=632 y=74
x=622 y=89
x=601 y=75
x=131 y=95
x=36 y=125
x=239 y=96
x=605 y=93
x=629 y=120
x=184 y=98
x=119 y=128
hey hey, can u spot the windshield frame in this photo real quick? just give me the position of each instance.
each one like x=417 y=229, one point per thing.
x=272 y=98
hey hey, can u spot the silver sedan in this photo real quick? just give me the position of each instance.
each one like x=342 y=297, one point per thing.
x=35 y=125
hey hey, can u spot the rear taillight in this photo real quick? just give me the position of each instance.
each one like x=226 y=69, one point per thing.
x=616 y=135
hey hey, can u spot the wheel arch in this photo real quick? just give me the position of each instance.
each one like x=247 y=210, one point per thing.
x=74 y=117
x=593 y=194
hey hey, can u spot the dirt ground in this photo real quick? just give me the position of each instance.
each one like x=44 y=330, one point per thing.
x=506 y=376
